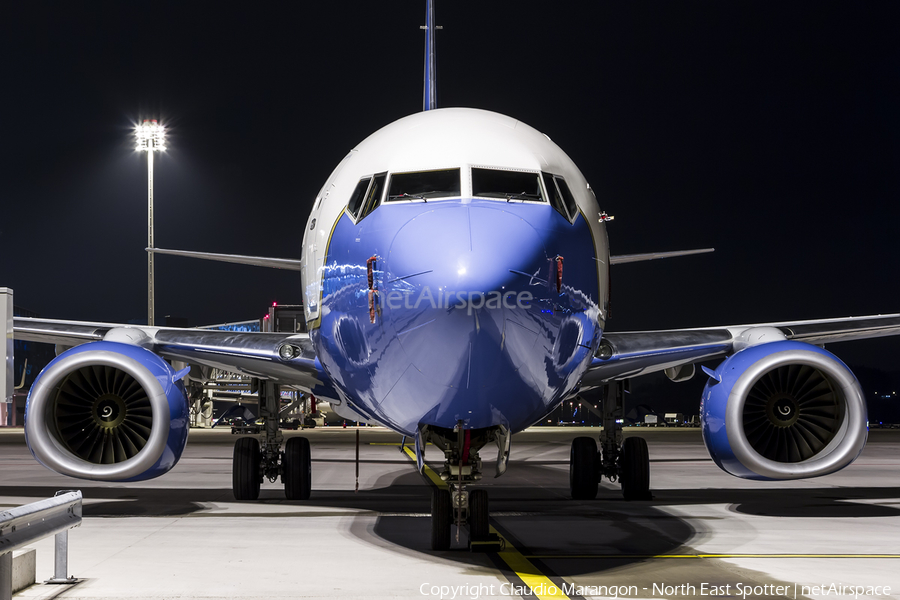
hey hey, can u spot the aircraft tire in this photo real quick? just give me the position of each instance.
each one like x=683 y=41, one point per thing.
x=635 y=473
x=245 y=469
x=297 y=469
x=479 y=526
x=583 y=478
x=441 y=519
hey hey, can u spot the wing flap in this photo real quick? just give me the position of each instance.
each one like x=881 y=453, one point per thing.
x=51 y=331
x=827 y=331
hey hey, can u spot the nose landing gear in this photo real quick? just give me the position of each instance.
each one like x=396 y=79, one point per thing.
x=456 y=504
x=627 y=461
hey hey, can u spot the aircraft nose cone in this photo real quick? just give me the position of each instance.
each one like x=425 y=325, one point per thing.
x=452 y=276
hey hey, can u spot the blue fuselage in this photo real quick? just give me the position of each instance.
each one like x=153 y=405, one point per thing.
x=482 y=311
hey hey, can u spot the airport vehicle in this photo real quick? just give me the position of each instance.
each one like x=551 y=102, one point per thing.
x=675 y=419
x=455 y=277
x=243 y=428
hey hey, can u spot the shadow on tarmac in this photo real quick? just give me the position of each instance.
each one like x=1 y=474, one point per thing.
x=407 y=495
x=538 y=520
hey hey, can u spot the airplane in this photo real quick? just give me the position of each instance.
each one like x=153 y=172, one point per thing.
x=455 y=273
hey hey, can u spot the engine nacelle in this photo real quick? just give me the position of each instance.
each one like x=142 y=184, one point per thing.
x=107 y=411
x=783 y=410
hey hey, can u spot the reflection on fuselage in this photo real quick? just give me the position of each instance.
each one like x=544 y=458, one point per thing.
x=465 y=318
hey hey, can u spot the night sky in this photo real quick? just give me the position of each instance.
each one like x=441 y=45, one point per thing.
x=767 y=130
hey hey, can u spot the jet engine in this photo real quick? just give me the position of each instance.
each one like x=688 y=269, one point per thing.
x=107 y=411
x=783 y=410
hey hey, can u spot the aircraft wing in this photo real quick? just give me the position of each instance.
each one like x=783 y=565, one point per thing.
x=253 y=354
x=630 y=354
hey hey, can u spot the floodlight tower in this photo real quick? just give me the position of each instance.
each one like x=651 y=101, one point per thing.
x=150 y=137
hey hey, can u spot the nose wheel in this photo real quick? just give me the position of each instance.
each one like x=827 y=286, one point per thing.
x=441 y=519
x=479 y=526
x=477 y=515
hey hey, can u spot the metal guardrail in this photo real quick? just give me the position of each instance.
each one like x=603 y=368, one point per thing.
x=26 y=524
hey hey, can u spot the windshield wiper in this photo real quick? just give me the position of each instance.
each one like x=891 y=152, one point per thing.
x=405 y=195
x=522 y=196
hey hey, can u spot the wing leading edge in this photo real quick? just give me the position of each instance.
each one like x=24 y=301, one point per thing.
x=620 y=356
x=630 y=354
x=248 y=353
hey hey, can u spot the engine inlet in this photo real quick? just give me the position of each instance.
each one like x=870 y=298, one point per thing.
x=102 y=414
x=792 y=413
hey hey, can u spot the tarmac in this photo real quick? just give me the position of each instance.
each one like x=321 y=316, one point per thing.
x=704 y=533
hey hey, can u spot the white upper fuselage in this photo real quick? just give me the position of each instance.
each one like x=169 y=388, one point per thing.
x=439 y=139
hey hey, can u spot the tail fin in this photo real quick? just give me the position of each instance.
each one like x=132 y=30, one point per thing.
x=430 y=96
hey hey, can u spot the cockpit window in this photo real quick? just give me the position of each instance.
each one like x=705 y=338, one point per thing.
x=356 y=198
x=567 y=196
x=510 y=185
x=560 y=195
x=424 y=185
x=373 y=197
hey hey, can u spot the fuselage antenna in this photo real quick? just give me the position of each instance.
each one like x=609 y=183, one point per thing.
x=429 y=101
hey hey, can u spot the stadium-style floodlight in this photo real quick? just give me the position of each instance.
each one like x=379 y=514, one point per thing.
x=150 y=137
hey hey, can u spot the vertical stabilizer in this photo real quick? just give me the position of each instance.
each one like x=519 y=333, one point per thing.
x=430 y=96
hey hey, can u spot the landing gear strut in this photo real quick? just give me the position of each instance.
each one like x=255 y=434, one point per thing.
x=627 y=461
x=457 y=505
x=256 y=459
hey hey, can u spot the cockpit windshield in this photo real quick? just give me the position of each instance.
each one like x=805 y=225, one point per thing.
x=509 y=185
x=424 y=185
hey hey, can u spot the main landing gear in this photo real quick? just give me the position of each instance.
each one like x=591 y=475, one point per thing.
x=255 y=459
x=457 y=505
x=627 y=461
